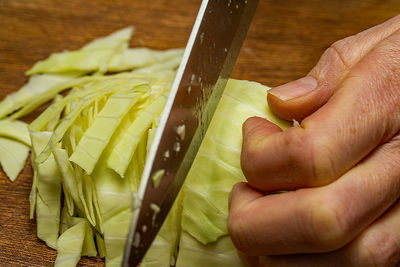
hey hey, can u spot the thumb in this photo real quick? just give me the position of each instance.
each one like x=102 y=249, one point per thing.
x=300 y=98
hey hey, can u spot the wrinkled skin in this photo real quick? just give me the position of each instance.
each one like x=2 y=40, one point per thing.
x=342 y=165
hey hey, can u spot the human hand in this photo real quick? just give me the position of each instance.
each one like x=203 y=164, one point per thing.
x=342 y=163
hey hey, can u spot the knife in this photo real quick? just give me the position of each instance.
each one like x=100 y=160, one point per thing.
x=213 y=46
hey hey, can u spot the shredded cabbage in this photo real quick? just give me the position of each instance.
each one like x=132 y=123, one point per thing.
x=38 y=85
x=90 y=147
x=94 y=56
x=13 y=155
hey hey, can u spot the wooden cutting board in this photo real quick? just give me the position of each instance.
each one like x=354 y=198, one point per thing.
x=285 y=41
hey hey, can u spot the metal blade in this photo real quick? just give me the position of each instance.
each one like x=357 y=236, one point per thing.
x=211 y=52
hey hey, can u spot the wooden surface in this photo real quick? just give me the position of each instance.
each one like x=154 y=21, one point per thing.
x=285 y=41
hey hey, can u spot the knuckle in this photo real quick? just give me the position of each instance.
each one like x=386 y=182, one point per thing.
x=311 y=157
x=297 y=142
x=339 y=51
x=324 y=160
x=340 y=55
x=380 y=248
x=326 y=227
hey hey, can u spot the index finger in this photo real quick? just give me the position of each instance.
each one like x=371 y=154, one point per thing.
x=363 y=113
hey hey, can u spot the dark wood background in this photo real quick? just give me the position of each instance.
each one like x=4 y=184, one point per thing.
x=285 y=41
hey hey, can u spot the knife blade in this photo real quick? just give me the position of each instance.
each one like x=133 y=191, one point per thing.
x=213 y=46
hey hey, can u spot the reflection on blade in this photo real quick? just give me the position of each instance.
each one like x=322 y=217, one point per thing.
x=210 y=54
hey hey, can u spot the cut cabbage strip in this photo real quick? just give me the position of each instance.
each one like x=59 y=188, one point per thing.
x=13 y=155
x=140 y=57
x=83 y=103
x=221 y=253
x=67 y=221
x=48 y=196
x=33 y=193
x=68 y=176
x=113 y=193
x=82 y=87
x=92 y=57
x=99 y=133
x=164 y=248
x=14 y=129
x=100 y=245
x=35 y=89
x=115 y=233
x=70 y=244
x=87 y=206
x=123 y=152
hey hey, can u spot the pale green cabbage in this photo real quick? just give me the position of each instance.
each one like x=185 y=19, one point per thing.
x=14 y=146
x=13 y=155
x=16 y=130
x=221 y=253
x=94 y=56
x=217 y=165
x=27 y=96
x=90 y=147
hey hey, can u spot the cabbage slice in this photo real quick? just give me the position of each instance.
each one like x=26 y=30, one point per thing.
x=13 y=155
x=115 y=233
x=95 y=92
x=70 y=244
x=164 y=249
x=92 y=57
x=48 y=196
x=17 y=130
x=221 y=253
x=122 y=154
x=134 y=58
x=68 y=221
x=216 y=167
x=99 y=133
x=76 y=240
x=35 y=89
x=69 y=181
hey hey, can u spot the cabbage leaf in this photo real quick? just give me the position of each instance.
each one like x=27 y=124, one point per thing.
x=13 y=155
x=90 y=147
x=216 y=167
x=92 y=57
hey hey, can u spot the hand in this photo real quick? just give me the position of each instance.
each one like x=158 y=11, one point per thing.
x=342 y=164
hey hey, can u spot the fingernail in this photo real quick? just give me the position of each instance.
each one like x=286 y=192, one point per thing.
x=295 y=88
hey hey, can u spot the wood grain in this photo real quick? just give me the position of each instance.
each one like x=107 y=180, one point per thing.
x=285 y=41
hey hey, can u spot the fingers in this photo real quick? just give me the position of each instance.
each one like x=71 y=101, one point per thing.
x=317 y=220
x=378 y=245
x=243 y=195
x=300 y=98
x=363 y=113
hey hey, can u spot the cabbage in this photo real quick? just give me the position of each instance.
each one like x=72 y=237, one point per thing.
x=96 y=137
x=14 y=147
x=16 y=130
x=217 y=165
x=221 y=253
x=48 y=192
x=94 y=56
x=90 y=147
x=13 y=156
x=140 y=57
x=38 y=85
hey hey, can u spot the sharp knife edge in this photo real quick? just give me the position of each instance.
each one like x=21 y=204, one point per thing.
x=226 y=65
